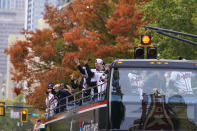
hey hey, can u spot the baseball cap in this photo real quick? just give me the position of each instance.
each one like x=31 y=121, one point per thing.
x=38 y=120
x=99 y=61
x=50 y=86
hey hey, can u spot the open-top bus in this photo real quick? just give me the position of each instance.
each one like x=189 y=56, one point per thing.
x=165 y=98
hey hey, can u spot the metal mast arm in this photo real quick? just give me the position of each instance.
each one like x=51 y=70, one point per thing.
x=170 y=31
x=178 y=38
x=162 y=31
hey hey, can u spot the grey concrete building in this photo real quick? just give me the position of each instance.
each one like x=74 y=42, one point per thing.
x=34 y=10
x=12 y=14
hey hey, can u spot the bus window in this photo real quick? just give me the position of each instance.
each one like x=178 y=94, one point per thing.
x=153 y=99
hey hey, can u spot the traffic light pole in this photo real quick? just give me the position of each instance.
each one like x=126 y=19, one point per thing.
x=12 y=106
x=162 y=31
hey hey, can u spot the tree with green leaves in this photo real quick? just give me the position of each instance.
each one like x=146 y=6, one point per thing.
x=177 y=15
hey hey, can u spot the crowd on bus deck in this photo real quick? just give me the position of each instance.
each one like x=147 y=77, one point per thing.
x=164 y=82
x=91 y=82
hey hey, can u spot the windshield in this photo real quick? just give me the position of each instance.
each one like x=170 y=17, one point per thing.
x=153 y=99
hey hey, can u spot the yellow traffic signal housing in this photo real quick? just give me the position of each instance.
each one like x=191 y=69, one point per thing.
x=2 y=108
x=24 y=115
x=151 y=52
x=139 y=52
x=145 y=39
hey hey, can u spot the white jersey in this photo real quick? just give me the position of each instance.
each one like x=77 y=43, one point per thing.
x=99 y=77
x=100 y=82
x=51 y=104
x=182 y=80
x=136 y=80
x=95 y=77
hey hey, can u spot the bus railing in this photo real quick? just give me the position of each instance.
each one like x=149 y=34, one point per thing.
x=84 y=97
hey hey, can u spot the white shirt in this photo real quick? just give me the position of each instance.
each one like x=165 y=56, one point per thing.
x=100 y=77
x=182 y=80
x=136 y=80
x=51 y=102
x=97 y=75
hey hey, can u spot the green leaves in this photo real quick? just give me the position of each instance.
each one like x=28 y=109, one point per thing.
x=178 y=15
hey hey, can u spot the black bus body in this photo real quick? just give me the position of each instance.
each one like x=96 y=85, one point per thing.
x=140 y=95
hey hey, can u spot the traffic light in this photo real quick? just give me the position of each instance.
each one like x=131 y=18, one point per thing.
x=24 y=115
x=145 y=39
x=2 y=108
x=139 y=52
x=151 y=53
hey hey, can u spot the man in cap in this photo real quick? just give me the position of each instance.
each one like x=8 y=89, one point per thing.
x=94 y=77
x=51 y=101
x=36 y=126
x=99 y=65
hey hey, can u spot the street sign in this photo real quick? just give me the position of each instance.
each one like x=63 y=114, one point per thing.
x=14 y=115
x=34 y=114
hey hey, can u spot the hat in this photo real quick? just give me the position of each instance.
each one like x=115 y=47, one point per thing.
x=50 y=86
x=38 y=120
x=99 y=61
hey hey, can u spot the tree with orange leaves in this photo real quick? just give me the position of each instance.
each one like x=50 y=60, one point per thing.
x=84 y=29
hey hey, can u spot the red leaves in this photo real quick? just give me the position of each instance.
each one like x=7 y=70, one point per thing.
x=17 y=91
x=125 y=20
x=80 y=42
x=84 y=29
x=68 y=36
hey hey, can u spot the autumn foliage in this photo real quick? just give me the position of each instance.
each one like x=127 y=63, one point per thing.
x=84 y=29
x=17 y=91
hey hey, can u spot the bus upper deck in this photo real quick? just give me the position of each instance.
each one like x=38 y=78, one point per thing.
x=140 y=95
x=155 y=63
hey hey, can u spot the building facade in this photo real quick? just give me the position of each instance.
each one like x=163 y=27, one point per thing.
x=14 y=16
x=64 y=3
x=11 y=22
x=34 y=10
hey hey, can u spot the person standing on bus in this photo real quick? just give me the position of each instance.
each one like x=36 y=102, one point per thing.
x=80 y=84
x=36 y=126
x=61 y=94
x=51 y=101
x=137 y=82
x=96 y=77
x=181 y=81
x=93 y=76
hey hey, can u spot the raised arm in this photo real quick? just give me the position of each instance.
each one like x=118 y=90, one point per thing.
x=73 y=84
x=82 y=71
x=89 y=72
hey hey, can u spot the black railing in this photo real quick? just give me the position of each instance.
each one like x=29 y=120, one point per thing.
x=84 y=97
